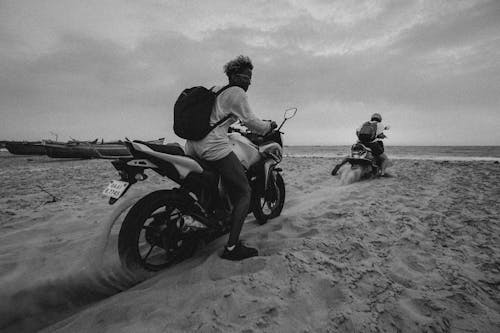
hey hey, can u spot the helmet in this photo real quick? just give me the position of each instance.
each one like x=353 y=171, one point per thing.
x=376 y=117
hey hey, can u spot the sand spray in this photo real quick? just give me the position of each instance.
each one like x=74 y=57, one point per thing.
x=349 y=175
x=30 y=302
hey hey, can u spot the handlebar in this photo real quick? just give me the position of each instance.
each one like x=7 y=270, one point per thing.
x=250 y=133
x=289 y=113
x=258 y=139
x=245 y=131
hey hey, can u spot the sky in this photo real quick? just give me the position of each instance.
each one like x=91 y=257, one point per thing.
x=113 y=68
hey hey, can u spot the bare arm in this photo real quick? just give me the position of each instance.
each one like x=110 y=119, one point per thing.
x=237 y=102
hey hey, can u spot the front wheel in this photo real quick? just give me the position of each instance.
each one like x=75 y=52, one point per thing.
x=150 y=237
x=269 y=205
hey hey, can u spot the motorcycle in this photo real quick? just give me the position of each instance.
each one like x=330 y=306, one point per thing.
x=361 y=158
x=166 y=226
x=362 y=164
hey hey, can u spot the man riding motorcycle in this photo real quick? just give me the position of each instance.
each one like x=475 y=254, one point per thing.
x=231 y=104
x=375 y=144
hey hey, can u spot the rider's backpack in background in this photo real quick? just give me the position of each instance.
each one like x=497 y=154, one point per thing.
x=192 y=112
x=367 y=132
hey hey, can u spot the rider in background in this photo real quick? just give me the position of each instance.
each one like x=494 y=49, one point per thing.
x=376 y=145
x=216 y=150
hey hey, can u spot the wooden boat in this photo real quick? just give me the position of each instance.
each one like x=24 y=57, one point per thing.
x=25 y=147
x=86 y=150
x=111 y=150
x=117 y=149
x=71 y=149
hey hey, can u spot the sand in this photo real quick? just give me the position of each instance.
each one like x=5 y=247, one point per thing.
x=415 y=252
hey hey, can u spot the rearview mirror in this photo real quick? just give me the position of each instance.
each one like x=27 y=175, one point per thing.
x=290 y=113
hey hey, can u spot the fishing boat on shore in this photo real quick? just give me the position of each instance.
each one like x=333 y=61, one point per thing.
x=117 y=149
x=87 y=150
x=71 y=149
x=25 y=147
x=111 y=150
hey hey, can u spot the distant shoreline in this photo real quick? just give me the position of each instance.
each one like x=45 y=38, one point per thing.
x=415 y=158
x=417 y=146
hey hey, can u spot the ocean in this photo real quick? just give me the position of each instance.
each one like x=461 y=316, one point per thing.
x=439 y=153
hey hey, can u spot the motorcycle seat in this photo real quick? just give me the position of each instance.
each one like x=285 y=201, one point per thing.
x=204 y=164
x=176 y=149
x=169 y=148
x=171 y=159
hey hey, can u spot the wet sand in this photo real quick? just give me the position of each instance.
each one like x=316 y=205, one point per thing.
x=419 y=251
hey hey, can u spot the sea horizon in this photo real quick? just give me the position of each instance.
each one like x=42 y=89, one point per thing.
x=440 y=153
x=386 y=145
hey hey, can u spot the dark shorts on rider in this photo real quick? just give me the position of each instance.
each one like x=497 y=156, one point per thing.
x=377 y=147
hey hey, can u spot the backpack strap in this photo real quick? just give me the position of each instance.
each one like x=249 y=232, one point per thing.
x=221 y=121
x=226 y=117
x=222 y=89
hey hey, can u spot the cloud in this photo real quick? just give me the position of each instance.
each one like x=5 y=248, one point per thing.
x=116 y=67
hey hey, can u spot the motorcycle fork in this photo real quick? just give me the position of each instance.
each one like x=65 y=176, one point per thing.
x=271 y=191
x=267 y=183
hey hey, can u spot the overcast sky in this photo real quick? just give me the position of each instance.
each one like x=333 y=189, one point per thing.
x=113 y=69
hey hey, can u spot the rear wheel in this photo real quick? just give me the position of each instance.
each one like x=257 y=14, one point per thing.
x=269 y=204
x=150 y=237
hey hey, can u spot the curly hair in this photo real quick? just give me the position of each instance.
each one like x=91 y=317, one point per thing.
x=238 y=65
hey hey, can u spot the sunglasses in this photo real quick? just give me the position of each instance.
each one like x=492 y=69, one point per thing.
x=244 y=76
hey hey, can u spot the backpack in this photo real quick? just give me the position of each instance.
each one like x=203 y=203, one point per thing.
x=192 y=112
x=368 y=132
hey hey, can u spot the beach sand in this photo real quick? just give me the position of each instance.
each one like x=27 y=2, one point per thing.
x=415 y=252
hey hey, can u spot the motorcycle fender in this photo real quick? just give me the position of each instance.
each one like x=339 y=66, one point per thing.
x=268 y=170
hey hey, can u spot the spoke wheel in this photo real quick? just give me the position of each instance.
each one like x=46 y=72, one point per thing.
x=150 y=237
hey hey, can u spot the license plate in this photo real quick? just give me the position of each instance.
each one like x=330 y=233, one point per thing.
x=115 y=189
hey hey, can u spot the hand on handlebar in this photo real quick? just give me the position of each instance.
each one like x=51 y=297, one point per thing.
x=272 y=126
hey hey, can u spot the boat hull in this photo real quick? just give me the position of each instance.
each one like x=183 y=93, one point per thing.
x=70 y=151
x=111 y=150
x=25 y=148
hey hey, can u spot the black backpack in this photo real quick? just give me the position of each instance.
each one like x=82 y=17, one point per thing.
x=368 y=132
x=192 y=112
